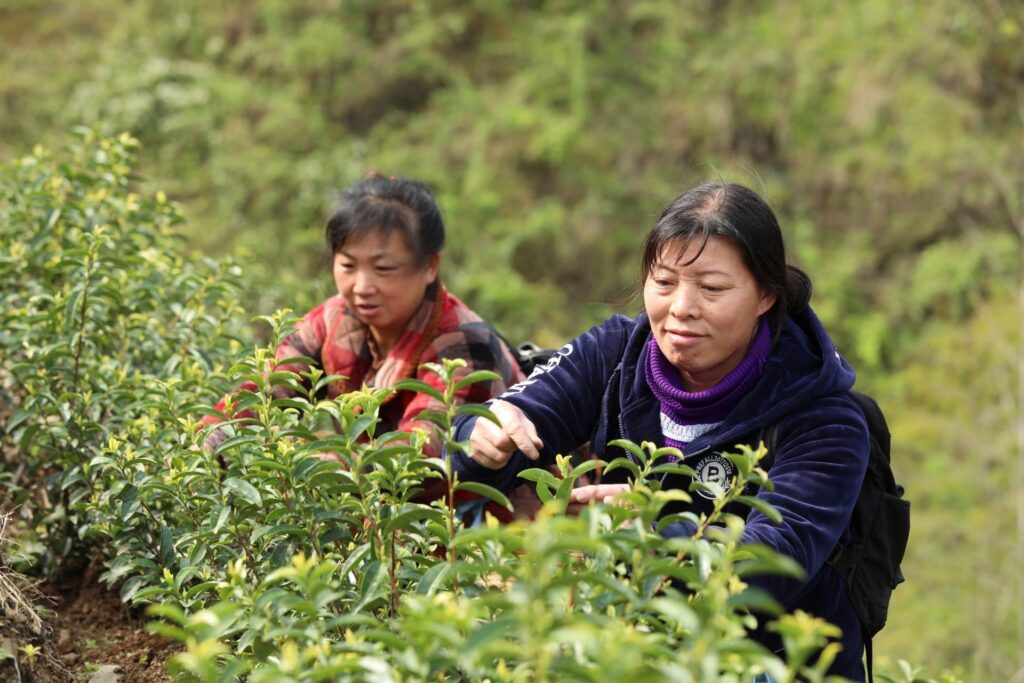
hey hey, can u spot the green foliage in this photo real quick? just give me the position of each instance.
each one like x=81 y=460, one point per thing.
x=554 y=132
x=103 y=320
x=960 y=456
x=598 y=597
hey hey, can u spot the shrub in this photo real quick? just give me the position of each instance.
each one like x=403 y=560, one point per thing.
x=99 y=302
x=379 y=584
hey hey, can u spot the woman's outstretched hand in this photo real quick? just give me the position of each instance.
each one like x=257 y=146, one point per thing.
x=582 y=496
x=492 y=445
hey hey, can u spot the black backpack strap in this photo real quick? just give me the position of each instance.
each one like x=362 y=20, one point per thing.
x=868 y=656
x=843 y=559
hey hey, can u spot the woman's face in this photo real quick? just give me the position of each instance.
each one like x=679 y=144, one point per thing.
x=381 y=282
x=703 y=314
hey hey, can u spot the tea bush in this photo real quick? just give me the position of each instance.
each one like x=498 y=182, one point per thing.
x=306 y=547
x=99 y=302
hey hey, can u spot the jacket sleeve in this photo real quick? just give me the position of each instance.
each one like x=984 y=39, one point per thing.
x=819 y=464
x=562 y=398
x=482 y=349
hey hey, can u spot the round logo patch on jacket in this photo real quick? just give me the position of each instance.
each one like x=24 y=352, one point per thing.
x=714 y=469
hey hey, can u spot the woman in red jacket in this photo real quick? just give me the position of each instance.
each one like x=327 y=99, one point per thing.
x=392 y=312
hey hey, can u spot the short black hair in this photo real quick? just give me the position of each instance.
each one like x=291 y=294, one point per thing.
x=386 y=204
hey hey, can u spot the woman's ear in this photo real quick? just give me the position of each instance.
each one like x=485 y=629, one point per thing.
x=768 y=300
x=432 y=267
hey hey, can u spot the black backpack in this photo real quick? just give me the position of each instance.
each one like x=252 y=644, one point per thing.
x=879 y=528
x=528 y=355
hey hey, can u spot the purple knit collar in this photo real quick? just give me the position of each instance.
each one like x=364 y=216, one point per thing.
x=710 y=405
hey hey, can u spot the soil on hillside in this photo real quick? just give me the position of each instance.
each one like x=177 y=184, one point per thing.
x=97 y=637
x=89 y=635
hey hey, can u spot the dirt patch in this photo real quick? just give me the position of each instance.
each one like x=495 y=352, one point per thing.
x=26 y=640
x=96 y=634
x=83 y=633
x=88 y=635
x=73 y=629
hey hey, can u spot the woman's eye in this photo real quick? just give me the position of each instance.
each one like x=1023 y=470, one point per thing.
x=713 y=289
x=347 y=267
x=386 y=270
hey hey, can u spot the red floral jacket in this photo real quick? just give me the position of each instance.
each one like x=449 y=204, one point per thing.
x=443 y=327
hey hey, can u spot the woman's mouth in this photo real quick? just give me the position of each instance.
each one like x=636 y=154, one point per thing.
x=367 y=310
x=683 y=337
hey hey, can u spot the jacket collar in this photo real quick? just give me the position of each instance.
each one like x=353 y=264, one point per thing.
x=401 y=362
x=802 y=366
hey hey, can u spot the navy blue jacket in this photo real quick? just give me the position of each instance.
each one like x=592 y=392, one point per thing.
x=595 y=390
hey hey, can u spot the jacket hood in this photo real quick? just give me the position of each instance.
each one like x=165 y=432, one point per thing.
x=803 y=366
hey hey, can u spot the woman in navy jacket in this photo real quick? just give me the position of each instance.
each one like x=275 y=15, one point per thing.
x=727 y=346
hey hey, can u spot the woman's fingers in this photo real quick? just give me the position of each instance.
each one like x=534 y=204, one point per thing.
x=489 y=445
x=519 y=429
x=596 y=493
x=492 y=445
x=582 y=496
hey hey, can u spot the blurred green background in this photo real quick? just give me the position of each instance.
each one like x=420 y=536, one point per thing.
x=889 y=138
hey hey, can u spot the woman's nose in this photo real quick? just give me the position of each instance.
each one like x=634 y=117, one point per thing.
x=684 y=303
x=364 y=282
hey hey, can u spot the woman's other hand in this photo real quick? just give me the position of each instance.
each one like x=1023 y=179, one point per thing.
x=491 y=445
x=583 y=496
